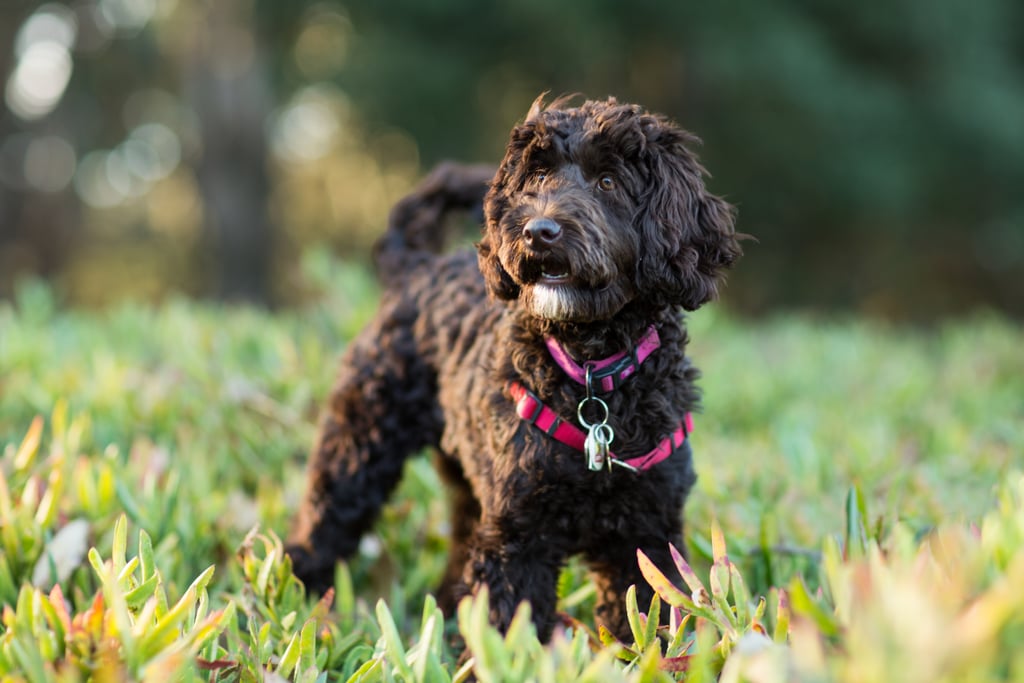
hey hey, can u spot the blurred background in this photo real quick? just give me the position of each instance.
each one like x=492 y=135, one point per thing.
x=201 y=147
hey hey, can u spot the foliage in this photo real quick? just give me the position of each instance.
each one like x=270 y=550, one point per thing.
x=872 y=150
x=128 y=630
x=153 y=456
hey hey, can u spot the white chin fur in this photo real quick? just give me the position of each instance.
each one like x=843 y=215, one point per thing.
x=551 y=303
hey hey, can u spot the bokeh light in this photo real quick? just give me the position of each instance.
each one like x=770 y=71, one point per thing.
x=128 y=16
x=323 y=43
x=51 y=23
x=44 y=64
x=154 y=151
x=308 y=126
x=49 y=163
x=149 y=154
x=93 y=183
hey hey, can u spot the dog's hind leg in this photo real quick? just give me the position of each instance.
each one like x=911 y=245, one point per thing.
x=465 y=515
x=382 y=409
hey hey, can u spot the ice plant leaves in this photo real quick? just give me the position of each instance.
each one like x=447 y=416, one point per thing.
x=725 y=614
x=126 y=625
x=665 y=588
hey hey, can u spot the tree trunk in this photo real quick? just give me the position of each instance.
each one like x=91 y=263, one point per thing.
x=225 y=81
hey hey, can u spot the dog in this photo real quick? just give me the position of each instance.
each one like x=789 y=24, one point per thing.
x=547 y=370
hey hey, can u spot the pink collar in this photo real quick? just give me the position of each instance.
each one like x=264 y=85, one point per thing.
x=610 y=371
x=531 y=409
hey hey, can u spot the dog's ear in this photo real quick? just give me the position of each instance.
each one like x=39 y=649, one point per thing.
x=499 y=283
x=496 y=202
x=688 y=234
x=537 y=107
x=506 y=182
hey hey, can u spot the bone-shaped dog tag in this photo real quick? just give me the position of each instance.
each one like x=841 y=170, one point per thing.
x=599 y=437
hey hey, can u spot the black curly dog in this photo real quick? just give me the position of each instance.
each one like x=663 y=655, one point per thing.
x=598 y=231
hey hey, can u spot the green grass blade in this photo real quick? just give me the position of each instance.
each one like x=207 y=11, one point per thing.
x=392 y=641
x=653 y=620
x=636 y=623
x=802 y=603
x=289 y=658
x=307 y=646
x=856 y=524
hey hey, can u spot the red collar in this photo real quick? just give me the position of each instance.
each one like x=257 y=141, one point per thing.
x=532 y=410
x=610 y=371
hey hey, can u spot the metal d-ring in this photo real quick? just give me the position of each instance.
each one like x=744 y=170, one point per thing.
x=579 y=412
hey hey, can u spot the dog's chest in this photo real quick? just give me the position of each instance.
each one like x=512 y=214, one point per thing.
x=568 y=504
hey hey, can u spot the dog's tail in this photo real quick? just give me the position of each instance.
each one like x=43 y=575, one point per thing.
x=416 y=224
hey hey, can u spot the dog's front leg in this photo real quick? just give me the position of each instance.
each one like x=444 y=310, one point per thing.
x=515 y=567
x=615 y=569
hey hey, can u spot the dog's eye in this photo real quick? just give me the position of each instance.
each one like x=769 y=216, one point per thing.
x=540 y=176
x=606 y=183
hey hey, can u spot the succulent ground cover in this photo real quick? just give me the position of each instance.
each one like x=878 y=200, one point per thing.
x=859 y=514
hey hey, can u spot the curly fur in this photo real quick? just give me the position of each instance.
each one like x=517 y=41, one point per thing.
x=638 y=238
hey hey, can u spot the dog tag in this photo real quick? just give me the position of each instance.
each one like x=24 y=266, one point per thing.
x=599 y=432
x=599 y=437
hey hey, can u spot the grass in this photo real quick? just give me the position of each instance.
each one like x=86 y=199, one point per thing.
x=858 y=477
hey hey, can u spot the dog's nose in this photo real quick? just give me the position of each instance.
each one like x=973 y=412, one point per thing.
x=541 y=232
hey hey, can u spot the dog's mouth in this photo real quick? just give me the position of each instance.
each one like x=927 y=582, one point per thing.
x=553 y=275
x=550 y=270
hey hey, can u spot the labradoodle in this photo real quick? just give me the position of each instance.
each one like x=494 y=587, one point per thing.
x=547 y=369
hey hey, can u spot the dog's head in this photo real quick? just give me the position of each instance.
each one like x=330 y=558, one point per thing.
x=599 y=205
